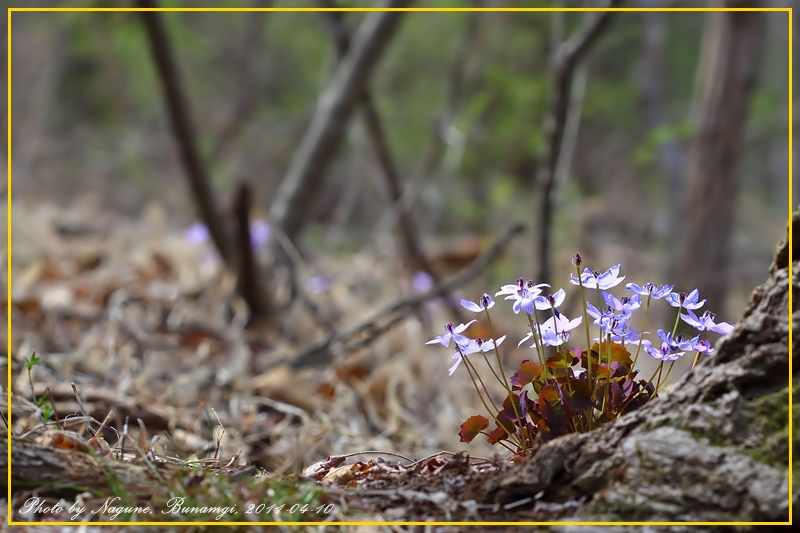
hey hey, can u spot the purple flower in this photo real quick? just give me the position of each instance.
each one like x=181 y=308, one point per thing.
x=679 y=342
x=703 y=347
x=595 y=280
x=629 y=336
x=612 y=324
x=650 y=289
x=197 y=234
x=259 y=234
x=625 y=304
x=523 y=294
x=474 y=346
x=422 y=282
x=551 y=338
x=664 y=353
x=453 y=332
x=593 y=312
x=319 y=284
x=560 y=324
x=485 y=302
x=687 y=301
x=706 y=322
x=550 y=301
x=553 y=329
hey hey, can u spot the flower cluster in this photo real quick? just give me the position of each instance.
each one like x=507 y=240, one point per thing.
x=578 y=389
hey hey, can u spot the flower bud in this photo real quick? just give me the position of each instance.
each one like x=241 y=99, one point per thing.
x=576 y=260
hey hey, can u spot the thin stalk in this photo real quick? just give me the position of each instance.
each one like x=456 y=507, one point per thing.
x=588 y=338
x=674 y=330
x=480 y=396
x=503 y=373
x=536 y=344
x=558 y=348
x=501 y=443
x=639 y=393
x=641 y=335
x=541 y=343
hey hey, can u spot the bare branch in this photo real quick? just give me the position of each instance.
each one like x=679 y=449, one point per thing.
x=566 y=58
x=350 y=339
x=304 y=176
x=415 y=257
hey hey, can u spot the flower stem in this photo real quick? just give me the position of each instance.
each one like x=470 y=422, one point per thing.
x=503 y=373
x=588 y=339
x=641 y=335
x=536 y=343
x=468 y=364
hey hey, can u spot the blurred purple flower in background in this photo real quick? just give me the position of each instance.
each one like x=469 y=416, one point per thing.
x=319 y=284
x=260 y=232
x=422 y=282
x=197 y=234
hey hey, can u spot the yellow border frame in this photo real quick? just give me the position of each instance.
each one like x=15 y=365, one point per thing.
x=357 y=523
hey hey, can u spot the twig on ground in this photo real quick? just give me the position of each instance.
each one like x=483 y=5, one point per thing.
x=80 y=406
x=396 y=312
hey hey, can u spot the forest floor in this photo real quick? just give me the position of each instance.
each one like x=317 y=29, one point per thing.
x=173 y=406
x=134 y=326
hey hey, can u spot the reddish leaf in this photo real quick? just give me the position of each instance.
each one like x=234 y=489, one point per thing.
x=513 y=405
x=502 y=431
x=496 y=435
x=618 y=353
x=528 y=371
x=561 y=360
x=472 y=427
x=580 y=397
x=552 y=408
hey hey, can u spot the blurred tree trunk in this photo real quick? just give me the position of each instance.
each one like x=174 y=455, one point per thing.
x=415 y=259
x=302 y=181
x=566 y=58
x=726 y=74
x=184 y=130
x=654 y=101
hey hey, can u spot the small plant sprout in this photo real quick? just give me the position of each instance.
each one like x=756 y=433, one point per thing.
x=564 y=388
x=48 y=411
x=29 y=364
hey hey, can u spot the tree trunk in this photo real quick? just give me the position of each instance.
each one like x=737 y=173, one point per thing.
x=654 y=107
x=727 y=71
x=302 y=182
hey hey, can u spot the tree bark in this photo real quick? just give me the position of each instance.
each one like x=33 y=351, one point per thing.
x=727 y=72
x=301 y=184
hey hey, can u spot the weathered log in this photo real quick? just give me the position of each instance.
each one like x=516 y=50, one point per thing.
x=64 y=471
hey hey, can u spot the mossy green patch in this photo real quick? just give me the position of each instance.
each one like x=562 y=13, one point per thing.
x=771 y=427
